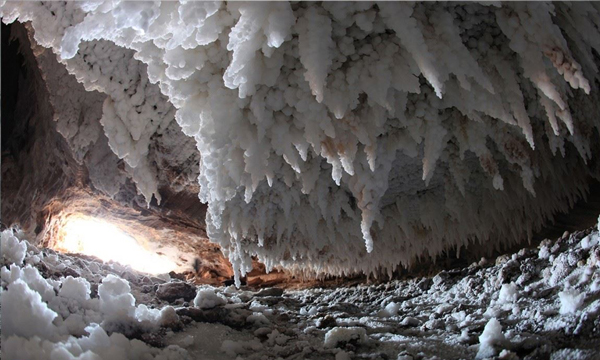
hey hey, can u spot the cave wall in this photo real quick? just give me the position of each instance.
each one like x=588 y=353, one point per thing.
x=37 y=164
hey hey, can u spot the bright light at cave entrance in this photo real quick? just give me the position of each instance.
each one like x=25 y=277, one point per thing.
x=107 y=242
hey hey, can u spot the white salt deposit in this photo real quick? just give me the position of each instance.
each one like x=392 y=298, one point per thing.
x=544 y=252
x=258 y=319
x=590 y=241
x=207 y=298
x=339 y=335
x=570 y=301
x=116 y=301
x=390 y=309
x=509 y=293
x=491 y=338
x=58 y=319
x=75 y=288
x=13 y=250
x=25 y=314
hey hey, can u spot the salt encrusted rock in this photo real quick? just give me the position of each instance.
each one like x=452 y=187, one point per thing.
x=434 y=324
x=424 y=284
x=69 y=271
x=176 y=276
x=440 y=278
x=410 y=321
x=176 y=290
x=509 y=271
x=157 y=280
x=528 y=270
x=269 y=292
x=340 y=336
x=208 y=298
x=235 y=318
x=326 y=322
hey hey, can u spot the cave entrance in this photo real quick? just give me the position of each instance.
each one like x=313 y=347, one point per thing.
x=100 y=238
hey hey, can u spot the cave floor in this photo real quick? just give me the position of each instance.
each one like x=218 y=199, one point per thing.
x=540 y=303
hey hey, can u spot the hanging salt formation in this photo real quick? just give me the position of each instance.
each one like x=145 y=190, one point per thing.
x=345 y=137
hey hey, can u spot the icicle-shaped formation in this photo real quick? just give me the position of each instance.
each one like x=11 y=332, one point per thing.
x=410 y=128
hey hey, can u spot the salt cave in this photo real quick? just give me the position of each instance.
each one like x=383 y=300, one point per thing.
x=399 y=168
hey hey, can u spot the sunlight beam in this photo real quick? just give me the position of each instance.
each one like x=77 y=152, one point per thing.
x=106 y=241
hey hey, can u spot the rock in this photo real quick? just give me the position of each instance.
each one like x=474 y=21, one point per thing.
x=574 y=256
x=544 y=293
x=262 y=332
x=502 y=259
x=578 y=235
x=155 y=338
x=157 y=280
x=345 y=307
x=231 y=281
x=283 y=318
x=179 y=301
x=269 y=292
x=326 y=322
x=528 y=271
x=185 y=320
x=410 y=321
x=560 y=269
x=483 y=262
x=177 y=276
x=424 y=284
x=130 y=276
x=93 y=290
x=176 y=290
x=271 y=300
x=530 y=345
x=509 y=270
x=70 y=272
x=440 y=278
x=147 y=289
x=235 y=318
x=525 y=253
x=434 y=324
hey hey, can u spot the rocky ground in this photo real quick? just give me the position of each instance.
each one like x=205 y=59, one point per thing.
x=538 y=303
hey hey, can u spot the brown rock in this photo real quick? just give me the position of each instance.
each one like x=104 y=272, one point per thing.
x=176 y=290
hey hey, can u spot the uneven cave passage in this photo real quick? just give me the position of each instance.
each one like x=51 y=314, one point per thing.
x=294 y=180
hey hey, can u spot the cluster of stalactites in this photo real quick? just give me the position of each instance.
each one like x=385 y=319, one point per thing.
x=301 y=111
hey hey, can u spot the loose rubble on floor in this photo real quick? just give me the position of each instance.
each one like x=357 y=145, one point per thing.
x=538 y=303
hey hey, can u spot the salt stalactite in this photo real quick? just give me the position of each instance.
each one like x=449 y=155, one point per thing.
x=322 y=128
